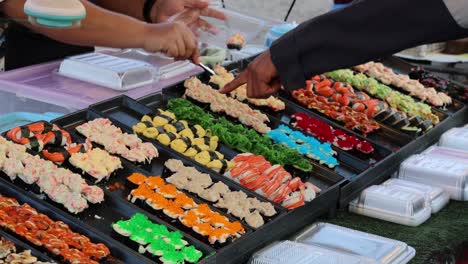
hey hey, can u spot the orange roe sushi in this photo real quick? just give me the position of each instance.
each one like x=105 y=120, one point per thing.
x=137 y=178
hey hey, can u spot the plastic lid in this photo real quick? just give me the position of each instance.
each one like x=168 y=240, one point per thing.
x=436 y=197
x=376 y=248
x=394 y=204
x=253 y=29
x=282 y=29
x=455 y=138
x=448 y=174
x=42 y=83
x=448 y=153
x=292 y=252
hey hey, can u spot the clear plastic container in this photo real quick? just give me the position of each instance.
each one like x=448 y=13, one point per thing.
x=375 y=248
x=435 y=196
x=298 y=253
x=253 y=29
x=394 y=204
x=113 y=72
x=42 y=83
x=448 y=174
x=448 y=153
x=456 y=138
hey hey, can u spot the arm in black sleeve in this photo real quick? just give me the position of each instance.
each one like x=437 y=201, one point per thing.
x=364 y=31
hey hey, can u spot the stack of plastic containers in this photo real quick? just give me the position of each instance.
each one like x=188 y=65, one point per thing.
x=327 y=243
x=436 y=175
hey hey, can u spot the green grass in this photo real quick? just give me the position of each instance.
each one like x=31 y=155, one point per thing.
x=446 y=229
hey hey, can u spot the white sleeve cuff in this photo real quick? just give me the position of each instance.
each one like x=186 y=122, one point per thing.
x=459 y=11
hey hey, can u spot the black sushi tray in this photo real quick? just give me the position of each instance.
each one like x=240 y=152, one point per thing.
x=401 y=144
x=126 y=112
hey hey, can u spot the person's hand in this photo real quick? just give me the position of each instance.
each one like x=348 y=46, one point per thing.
x=175 y=39
x=192 y=18
x=164 y=9
x=261 y=77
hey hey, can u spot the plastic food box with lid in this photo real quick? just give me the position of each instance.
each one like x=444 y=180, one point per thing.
x=298 y=253
x=455 y=138
x=448 y=174
x=394 y=204
x=375 y=248
x=43 y=83
x=435 y=196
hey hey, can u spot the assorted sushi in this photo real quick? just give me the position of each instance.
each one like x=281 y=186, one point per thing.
x=236 y=41
x=429 y=79
x=413 y=87
x=57 y=146
x=163 y=196
x=359 y=101
x=128 y=146
x=271 y=181
x=223 y=77
x=55 y=237
x=239 y=137
x=395 y=99
x=169 y=246
x=60 y=185
x=327 y=133
x=237 y=203
x=221 y=103
x=9 y=254
x=97 y=163
x=193 y=141
x=352 y=119
x=306 y=145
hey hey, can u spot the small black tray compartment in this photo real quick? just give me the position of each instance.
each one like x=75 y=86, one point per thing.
x=119 y=252
x=124 y=109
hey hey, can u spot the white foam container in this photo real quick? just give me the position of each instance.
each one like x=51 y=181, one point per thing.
x=435 y=196
x=456 y=138
x=374 y=248
x=119 y=74
x=446 y=173
x=394 y=204
x=298 y=253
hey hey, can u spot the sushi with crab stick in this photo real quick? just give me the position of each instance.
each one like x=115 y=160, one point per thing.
x=271 y=181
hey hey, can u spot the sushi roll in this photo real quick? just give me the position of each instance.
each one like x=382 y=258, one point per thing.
x=236 y=41
x=426 y=125
x=180 y=125
x=206 y=157
x=192 y=151
x=152 y=132
x=166 y=138
x=193 y=132
x=402 y=122
x=219 y=165
x=416 y=121
x=191 y=254
x=411 y=130
x=384 y=115
x=181 y=144
x=161 y=120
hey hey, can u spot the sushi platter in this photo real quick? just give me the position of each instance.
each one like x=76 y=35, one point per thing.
x=188 y=175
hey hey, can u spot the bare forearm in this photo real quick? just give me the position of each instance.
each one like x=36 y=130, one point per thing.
x=133 y=8
x=100 y=28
